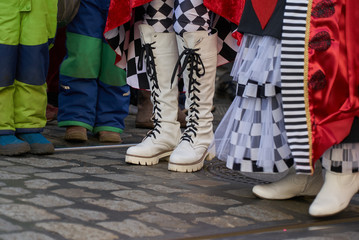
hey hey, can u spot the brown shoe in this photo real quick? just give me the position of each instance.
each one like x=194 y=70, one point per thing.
x=144 y=110
x=76 y=134
x=107 y=136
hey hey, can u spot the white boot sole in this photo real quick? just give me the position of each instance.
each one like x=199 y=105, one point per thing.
x=190 y=167
x=147 y=161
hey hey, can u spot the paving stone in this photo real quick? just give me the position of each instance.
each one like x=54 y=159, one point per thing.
x=23 y=169
x=39 y=184
x=99 y=185
x=58 y=175
x=48 y=201
x=13 y=191
x=204 y=198
x=132 y=228
x=42 y=162
x=5 y=200
x=109 y=154
x=164 y=221
x=140 y=196
x=183 y=207
x=75 y=193
x=99 y=162
x=245 y=192
x=5 y=163
x=11 y=176
x=161 y=188
x=116 y=205
x=171 y=175
x=208 y=183
x=25 y=213
x=88 y=170
x=25 y=236
x=258 y=213
x=83 y=214
x=6 y=226
x=124 y=177
x=224 y=221
x=73 y=231
x=72 y=156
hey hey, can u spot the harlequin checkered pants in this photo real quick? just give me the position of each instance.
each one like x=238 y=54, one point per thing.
x=342 y=158
x=178 y=15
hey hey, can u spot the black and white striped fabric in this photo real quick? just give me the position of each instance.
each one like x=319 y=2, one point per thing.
x=292 y=74
x=342 y=158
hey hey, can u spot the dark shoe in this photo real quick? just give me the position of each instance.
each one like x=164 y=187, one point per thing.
x=144 y=110
x=107 y=136
x=76 y=134
x=51 y=112
x=38 y=143
x=11 y=145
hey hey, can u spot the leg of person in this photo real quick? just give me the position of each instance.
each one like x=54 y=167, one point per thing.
x=38 y=25
x=79 y=72
x=9 y=40
x=161 y=57
x=113 y=99
x=341 y=180
x=199 y=51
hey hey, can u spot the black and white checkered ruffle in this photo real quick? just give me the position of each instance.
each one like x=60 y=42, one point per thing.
x=342 y=158
x=251 y=136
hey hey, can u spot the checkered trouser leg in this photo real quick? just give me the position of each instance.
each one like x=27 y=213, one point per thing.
x=190 y=16
x=342 y=158
x=159 y=15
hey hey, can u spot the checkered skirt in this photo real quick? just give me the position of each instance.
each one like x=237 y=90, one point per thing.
x=251 y=136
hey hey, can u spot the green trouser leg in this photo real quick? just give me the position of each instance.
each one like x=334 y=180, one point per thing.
x=7 y=110
x=30 y=107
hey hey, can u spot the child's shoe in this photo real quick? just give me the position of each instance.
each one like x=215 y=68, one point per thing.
x=11 y=145
x=38 y=143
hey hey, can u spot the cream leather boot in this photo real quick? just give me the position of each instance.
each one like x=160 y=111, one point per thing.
x=161 y=57
x=335 y=195
x=198 y=65
x=292 y=185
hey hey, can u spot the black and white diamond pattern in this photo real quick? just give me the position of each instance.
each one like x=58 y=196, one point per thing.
x=159 y=15
x=190 y=16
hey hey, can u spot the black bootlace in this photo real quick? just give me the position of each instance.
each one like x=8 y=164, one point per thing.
x=193 y=62
x=152 y=74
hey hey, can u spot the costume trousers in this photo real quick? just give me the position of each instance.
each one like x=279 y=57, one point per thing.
x=93 y=91
x=26 y=27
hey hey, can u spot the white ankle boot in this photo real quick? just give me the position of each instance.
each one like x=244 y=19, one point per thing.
x=199 y=64
x=335 y=195
x=292 y=185
x=161 y=56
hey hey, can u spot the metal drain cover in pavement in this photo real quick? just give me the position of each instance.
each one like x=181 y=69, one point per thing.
x=218 y=168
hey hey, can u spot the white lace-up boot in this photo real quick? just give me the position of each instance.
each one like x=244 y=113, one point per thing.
x=198 y=61
x=335 y=195
x=161 y=55
x=292 y=185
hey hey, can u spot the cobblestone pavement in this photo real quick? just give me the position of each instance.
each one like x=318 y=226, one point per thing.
x=91 y=193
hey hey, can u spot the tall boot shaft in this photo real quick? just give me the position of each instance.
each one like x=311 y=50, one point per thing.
x=160 y=54
x=198 y=61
